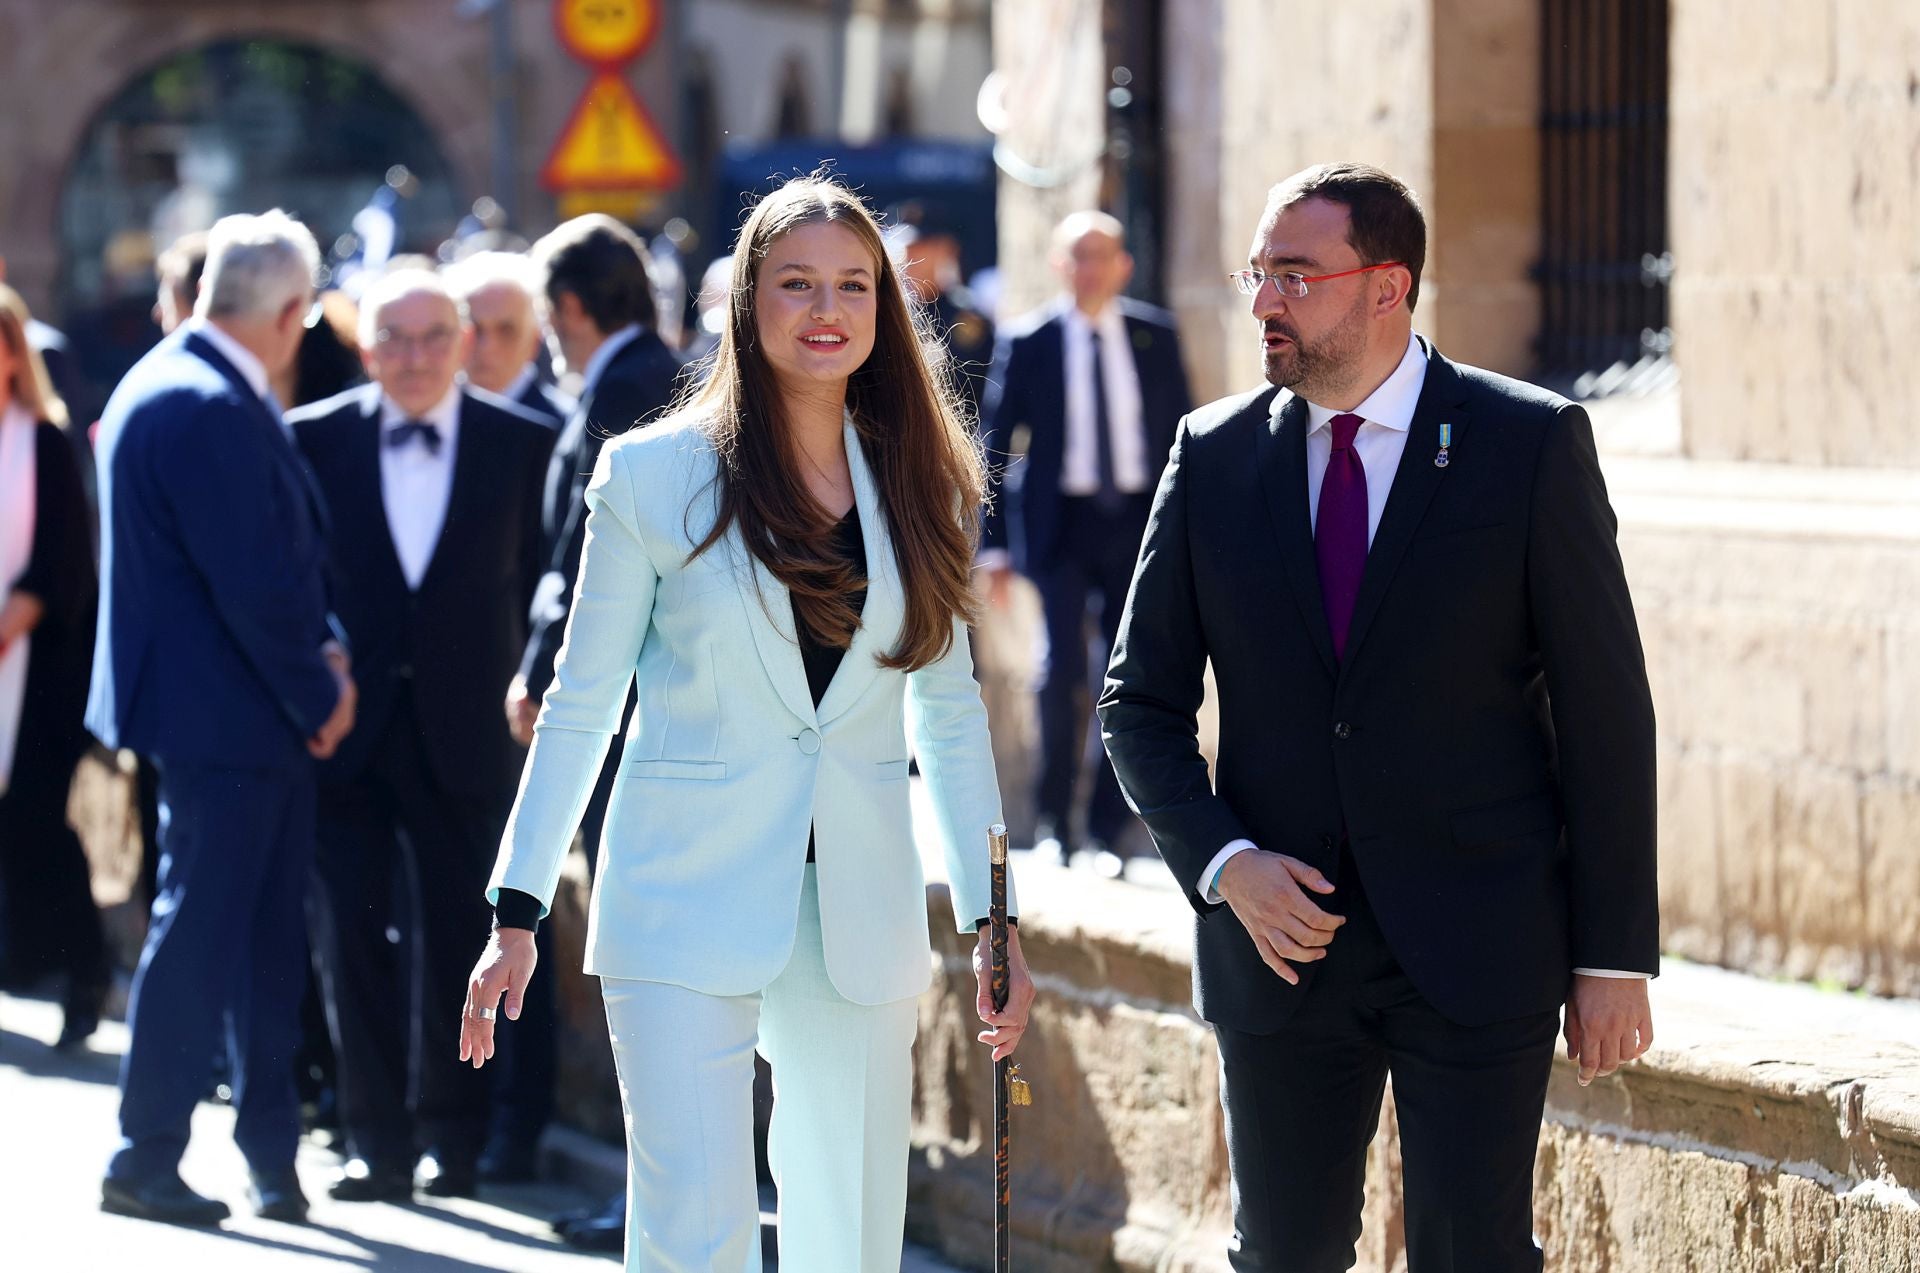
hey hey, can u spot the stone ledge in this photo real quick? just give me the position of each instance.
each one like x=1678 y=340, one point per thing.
x=1773 y=1126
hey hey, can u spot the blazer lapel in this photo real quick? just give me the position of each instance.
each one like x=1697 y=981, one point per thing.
x=769 y=610
x=1283 y=475
x=1414 y=483
x=885 y=607
x=363 y=469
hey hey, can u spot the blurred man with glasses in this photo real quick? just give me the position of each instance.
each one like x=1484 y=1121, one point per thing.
x=434 y=491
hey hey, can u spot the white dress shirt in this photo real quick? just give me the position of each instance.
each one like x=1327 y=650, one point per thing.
x=1386 y=417
x=416 y=483
x=1080 y=463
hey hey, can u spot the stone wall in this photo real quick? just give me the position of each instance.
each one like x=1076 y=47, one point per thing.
x=1712 y=1154
x=1794 y=177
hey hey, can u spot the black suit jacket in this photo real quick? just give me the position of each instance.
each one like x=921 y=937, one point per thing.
x=1487 y=743
x=60 y=574
x=553 y=407
x=457 y=640
x=637 y=384
x=1028 y=387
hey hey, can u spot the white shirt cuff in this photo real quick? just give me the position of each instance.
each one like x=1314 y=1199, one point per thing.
x=1211 y=876
x=1614 y=972
x=992 y=559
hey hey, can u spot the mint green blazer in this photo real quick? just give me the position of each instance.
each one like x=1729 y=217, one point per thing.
x=726 y=763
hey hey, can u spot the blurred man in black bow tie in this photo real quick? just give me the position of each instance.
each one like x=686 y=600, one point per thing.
x=435 y=493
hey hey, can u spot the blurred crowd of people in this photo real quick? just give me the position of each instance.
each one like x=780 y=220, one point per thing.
x=409 y=462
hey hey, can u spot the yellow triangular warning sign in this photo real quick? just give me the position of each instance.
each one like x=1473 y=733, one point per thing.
x=611 y=143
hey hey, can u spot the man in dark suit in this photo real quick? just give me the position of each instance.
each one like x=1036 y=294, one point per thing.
x=927 y=246
x=1431 y=819
x=597 y=306
x=596 y=303
x=435 y=494
x=216 y=658
x=497 y=291
x=1096 y=383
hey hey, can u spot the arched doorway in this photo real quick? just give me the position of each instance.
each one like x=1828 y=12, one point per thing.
x=233 y=126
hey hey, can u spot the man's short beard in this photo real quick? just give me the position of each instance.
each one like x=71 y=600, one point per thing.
x=1327 y=367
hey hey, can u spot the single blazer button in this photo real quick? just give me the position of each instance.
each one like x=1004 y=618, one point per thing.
x=1341 y=729
x=809 y=741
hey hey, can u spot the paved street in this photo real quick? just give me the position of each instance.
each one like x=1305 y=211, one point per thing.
x=58 y=1127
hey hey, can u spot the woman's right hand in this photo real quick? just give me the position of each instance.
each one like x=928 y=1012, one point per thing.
x=505 y=967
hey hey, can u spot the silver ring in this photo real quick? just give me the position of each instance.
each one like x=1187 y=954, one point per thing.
x=484 y=1014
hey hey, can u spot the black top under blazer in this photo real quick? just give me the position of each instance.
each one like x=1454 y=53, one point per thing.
x=456 y=641
x=1487 y=743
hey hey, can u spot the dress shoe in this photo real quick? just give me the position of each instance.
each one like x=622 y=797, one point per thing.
x=276 y=1195
x=166 y=1199
x=361 y=1181
x=438 y=1176
x=605 y=1230
x=508 y=1164
x=1048 y=848
x=80 y=1023
x=1103 y=861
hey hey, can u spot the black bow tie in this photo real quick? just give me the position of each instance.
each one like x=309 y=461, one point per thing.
x=408 y=430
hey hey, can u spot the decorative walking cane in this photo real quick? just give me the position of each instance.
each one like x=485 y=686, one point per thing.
x=1007 y=1085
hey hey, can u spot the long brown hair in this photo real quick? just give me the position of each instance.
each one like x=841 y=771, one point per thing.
x=925 y=458
x=32 y=387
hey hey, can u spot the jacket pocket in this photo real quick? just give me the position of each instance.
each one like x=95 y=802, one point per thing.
x=1453 y=541
x=677 y=768
x=1509 y=820
x=893 y=770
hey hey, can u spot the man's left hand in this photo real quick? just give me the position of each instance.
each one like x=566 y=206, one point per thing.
x=1609 y=1023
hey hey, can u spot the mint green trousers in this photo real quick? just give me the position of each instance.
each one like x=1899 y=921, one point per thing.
x=843 y=1088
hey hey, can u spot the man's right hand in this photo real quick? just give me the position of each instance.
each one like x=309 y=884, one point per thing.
x=1268 y=894
x=522 y=711
x=337 y=726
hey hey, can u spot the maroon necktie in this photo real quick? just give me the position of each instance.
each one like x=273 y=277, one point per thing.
x=1340 y=530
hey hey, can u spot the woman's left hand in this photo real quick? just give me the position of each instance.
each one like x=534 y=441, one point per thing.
x=1011 y=1022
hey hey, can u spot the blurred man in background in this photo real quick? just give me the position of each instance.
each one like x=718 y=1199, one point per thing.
x=435 y=492
x=1096 y=382
x=217 y=658
x=498 y=291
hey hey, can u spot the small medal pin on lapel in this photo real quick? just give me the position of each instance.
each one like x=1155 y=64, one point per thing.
x=1446 y=440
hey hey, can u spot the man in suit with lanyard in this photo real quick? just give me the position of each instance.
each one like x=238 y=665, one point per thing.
x=597 y=306
x=216 y=657
x=497 y=291
x=435 y=492
x=1096 y=383
x=1431 y=819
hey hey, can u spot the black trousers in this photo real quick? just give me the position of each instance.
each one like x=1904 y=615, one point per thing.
x=48 y=922
x=1092 y=565
x=1302 y=1104
x=394 y=1011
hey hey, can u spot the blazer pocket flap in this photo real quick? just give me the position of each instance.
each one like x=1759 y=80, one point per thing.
x=677 y=768
x=893 y=771
x=1508 y=820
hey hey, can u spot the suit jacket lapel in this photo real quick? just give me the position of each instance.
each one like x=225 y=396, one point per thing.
x=885 y=607
x=1414 y=483
x=1283 y=475
x=369 y=492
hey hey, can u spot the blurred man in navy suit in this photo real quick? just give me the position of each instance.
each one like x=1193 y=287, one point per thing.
x=217 y=658
x=1095 y=383
x=435 y=490
x=497 y=290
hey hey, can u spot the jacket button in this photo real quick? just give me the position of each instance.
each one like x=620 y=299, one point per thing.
x=809 y=742
x=1341 y=729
